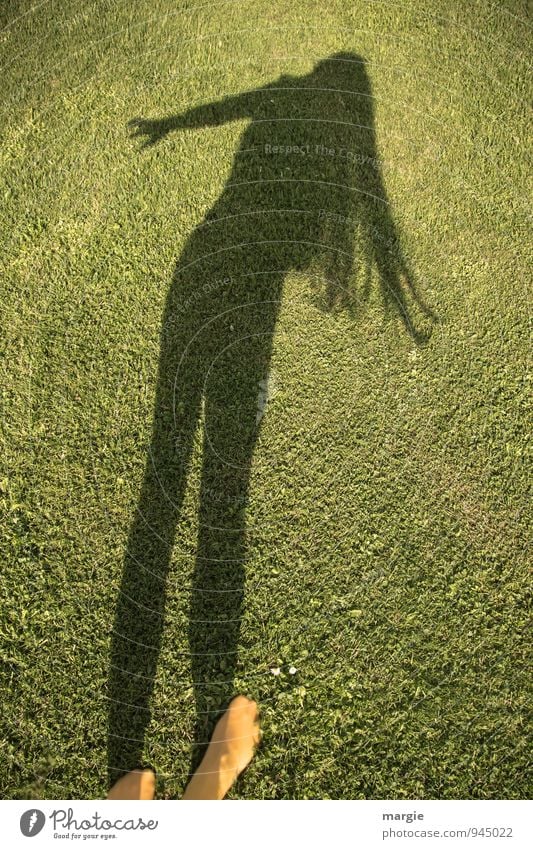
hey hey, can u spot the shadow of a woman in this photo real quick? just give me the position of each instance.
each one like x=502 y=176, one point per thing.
x=305 y=194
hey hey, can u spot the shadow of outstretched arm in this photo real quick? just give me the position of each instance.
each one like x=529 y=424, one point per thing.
x=207 y=115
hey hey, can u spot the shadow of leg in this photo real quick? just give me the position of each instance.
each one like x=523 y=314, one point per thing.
x=231 y=427
x=139 y=617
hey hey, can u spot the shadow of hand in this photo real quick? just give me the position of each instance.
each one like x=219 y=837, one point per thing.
x=153 y=130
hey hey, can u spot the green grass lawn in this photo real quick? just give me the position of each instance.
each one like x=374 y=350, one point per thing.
x=368 y=525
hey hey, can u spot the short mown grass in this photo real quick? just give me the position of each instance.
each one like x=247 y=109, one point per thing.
x=386 y=524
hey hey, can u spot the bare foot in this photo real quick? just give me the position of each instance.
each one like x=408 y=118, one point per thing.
x=230 y=750
x=137 y=784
